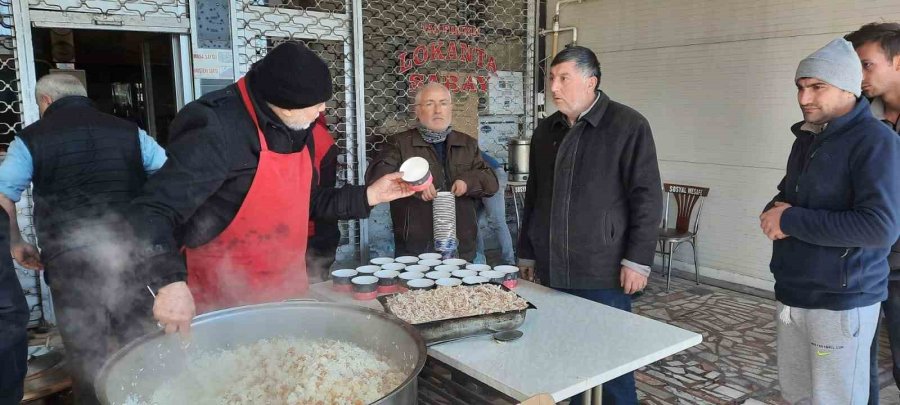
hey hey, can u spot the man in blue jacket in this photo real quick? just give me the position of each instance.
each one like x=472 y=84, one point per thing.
x=833 y=223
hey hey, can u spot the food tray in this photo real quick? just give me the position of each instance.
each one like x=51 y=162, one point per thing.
x=446 y=330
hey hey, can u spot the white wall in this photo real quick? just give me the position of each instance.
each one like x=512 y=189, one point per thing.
x=715 y=80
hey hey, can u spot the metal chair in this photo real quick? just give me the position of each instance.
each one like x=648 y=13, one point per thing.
x=686 y=198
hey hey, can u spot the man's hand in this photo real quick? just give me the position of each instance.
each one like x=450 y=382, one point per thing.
x=174 y=308
x=770 y=221
x=631 y=281
x=459 y=188
x=528 y=273
x=27 y=255
x=388 y=188
x=429 y=193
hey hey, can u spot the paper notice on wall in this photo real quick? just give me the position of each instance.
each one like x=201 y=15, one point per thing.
x=213 y=64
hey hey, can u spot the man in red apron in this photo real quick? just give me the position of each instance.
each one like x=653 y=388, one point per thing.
x=238 y=191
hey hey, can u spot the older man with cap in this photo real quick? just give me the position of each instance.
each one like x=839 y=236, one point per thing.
x=239 y=189
x=833 y=223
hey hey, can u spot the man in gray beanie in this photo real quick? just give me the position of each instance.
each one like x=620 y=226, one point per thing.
x=832 y=224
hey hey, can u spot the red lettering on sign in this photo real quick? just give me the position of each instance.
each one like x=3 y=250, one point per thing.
x=483 y=83
x=450 y=83
x=436 y=53
x=466 y=52
x=451 y=51
x=420 y=55
x=492 y=65
x=405 y=64
x=469 y=84
x=415 y=80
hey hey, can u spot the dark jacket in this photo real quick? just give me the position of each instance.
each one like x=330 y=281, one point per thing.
x=844 y=186
x=13 y=323
x=593 y=197
x=213 y=155
x=413 y=228
x=87 y=168
x=894 y=258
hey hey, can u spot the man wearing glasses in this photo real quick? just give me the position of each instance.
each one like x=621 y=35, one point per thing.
x=456 y=166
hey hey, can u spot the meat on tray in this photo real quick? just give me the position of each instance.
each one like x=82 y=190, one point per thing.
x=418 y=307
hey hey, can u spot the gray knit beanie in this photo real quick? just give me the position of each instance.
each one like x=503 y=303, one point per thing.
x=836 y=63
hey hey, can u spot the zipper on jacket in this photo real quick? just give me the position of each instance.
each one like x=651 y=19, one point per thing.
x=844 y=268
x=809 y=158
x=569 y=203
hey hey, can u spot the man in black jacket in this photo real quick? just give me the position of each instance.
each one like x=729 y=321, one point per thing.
x=237 y=192
x=594 y=199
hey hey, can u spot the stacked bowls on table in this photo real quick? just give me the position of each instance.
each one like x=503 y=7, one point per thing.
x=444 y=221
x=386 y=275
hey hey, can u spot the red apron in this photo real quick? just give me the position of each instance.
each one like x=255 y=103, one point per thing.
x=260 y=256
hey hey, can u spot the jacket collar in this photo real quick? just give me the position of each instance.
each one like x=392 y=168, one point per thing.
x=264 y=114
x=877 y=107
x=837 y=125
x=593 y=115
x=66 y=102
x=454 y=139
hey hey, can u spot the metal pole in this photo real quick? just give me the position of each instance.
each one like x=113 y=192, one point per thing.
x=530 y=68
x=181 y=70
x=597 y=395
x=25 y=61
x=359 y=89
x=147 y=70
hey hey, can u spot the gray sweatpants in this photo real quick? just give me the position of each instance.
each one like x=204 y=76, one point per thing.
x=823 y=355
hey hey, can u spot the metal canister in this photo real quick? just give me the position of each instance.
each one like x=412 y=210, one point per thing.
x=519 y=149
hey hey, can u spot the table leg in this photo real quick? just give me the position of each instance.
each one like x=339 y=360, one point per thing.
x=593 y=396
x=597 y=395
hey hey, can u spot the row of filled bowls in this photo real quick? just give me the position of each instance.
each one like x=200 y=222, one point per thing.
x=388 y=275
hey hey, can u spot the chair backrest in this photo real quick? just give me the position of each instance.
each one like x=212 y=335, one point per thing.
x=686 y=198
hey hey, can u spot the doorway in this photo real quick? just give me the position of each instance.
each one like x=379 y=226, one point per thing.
x=128 y=74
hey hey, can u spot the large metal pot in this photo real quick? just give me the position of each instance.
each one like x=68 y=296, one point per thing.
x=519 y=148
x=137 y=370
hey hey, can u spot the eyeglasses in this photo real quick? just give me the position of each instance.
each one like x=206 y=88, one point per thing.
x=432 y=104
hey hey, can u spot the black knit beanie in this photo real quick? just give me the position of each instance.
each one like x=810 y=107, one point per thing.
x=291 y=76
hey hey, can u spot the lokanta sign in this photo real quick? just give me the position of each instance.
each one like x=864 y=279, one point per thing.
x=451 y=51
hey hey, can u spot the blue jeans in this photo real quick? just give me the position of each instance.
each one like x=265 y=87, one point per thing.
x=493 y=210
x=620 y=390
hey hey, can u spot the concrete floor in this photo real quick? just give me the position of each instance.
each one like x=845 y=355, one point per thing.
x=736 y=363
